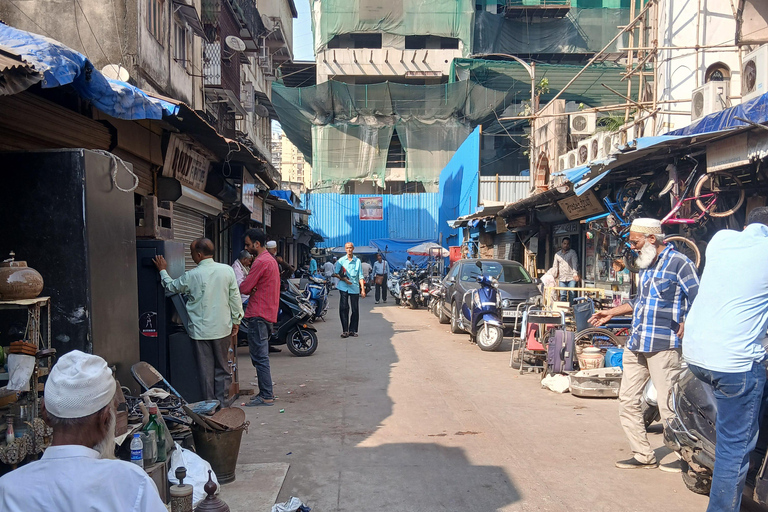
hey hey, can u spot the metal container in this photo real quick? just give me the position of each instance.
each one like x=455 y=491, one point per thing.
x=596 y=383
x=220 y=449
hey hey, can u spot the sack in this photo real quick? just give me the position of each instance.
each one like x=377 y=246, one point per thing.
x=561 y=350
x=197 y=472
x=378 y=280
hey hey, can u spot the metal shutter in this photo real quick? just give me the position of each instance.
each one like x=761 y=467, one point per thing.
x=503 y=245
x=188 y=225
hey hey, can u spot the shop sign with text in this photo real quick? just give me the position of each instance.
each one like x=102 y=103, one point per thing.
x=578 y=207
x=186 y=162
x=371 y=208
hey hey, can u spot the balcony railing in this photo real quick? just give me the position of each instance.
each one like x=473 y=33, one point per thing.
x=248 y=15
x=220 y=71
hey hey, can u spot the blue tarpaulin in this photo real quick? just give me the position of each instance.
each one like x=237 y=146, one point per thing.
x=396 y=251
x=61 y=65
x=459 y=182
x=754 y=110
x=285 y=195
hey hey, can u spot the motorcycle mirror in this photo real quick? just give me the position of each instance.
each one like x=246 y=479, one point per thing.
x=479 y=264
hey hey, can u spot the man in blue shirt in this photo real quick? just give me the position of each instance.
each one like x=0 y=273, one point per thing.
x=724 y=347
x=668 y=285
x=349 y=271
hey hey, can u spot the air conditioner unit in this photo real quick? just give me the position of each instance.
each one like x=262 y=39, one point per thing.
x=629 y=131
x=606 y=144
x=572 y=159
x=583 y=123
x=247 y=96
x=563 y=162
x=754 y=74
x=582 y=152
x=709 y=98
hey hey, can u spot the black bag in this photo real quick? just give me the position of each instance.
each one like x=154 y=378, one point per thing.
x=561 y=351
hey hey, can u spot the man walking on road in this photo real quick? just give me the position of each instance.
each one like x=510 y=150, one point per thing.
x=262 y=285
x=380 y=274
x=724 y=347
x=351 y=286
x=566 y=269
x=668 y=287
x=215 y=311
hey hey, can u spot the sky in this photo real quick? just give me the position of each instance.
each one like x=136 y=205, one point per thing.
x=302 y=32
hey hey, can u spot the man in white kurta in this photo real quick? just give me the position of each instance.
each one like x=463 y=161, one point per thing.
x=77 y=472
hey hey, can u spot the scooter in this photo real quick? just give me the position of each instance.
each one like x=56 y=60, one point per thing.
x=393 y=284
x=691 y=433
x=409 y=290
x=481 y=313
x=316 y=294
x=293 y=328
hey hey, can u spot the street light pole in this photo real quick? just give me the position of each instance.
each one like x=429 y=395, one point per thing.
x=531 y=69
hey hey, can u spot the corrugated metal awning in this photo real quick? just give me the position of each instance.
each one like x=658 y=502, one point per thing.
x=188 y=13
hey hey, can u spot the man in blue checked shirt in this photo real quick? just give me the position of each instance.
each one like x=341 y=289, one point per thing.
x=668 y=285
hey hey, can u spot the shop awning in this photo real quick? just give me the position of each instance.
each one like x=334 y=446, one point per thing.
x=60 y=65
x=16 y=75
x=542 y=198
x=481 y=213
x=755 y=111
x=281 y=204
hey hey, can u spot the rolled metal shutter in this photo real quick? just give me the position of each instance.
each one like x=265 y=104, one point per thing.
x=503 y=245
x=188 y=225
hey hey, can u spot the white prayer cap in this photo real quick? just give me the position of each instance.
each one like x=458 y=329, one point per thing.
x=79 y=385
x=646 y=226
x=271 y=244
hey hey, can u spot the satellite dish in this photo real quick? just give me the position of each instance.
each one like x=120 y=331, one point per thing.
x=234 y=43
x=261 y=111
x=116 y=72
x=267 y=22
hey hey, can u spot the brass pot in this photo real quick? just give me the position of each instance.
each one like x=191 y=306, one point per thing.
x=18 y=281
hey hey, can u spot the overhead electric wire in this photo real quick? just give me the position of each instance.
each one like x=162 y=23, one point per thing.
x=29 y=18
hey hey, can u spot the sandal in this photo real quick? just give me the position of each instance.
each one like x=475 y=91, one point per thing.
x=345 y=335
x=257 y=401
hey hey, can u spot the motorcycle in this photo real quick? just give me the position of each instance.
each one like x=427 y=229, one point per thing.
x=293 y=328
x=481 y=313
x=316 y=294
x=691 y=433
x=410 y=293
x=393 y=285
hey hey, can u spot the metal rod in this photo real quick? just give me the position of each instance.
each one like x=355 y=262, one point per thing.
x=637 y=104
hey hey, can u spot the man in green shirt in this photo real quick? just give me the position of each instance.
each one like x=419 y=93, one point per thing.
x=215 y=311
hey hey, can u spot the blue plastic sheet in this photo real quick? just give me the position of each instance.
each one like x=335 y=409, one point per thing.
x=61 y=65
x=397 y=251
x=459 y=182
x=755 y=110
x=285 y=195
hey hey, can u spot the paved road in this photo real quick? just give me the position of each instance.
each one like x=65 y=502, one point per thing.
x=408 y=417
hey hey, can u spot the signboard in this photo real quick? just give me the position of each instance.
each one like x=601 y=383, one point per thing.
x=578 y=207
x=185 y=162
x=727 y=153
x=372 y=208
x=268 y=216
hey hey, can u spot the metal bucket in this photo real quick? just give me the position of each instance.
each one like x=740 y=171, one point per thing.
x=220 y=449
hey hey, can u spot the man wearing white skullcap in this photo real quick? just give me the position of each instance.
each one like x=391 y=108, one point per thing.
x=667 y=287
x=78 y=471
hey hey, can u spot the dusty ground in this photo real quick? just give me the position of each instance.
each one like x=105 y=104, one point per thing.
x=409 y=417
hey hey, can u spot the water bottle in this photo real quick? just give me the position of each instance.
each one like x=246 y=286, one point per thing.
x=137 y=456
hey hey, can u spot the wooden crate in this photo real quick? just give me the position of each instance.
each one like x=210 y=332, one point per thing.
x=153 y=219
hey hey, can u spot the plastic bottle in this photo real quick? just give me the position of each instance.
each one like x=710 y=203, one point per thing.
x=137 y=457
x=153 y=425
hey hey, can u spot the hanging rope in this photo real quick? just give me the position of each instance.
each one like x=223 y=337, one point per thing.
x=113 y=168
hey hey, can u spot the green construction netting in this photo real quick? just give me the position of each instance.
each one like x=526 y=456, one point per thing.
x=346 y=129
x=446 y=18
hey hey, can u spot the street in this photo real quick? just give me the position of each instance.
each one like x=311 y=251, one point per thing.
x=409 y=417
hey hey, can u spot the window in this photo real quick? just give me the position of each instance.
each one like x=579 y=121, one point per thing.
x=717 y=72
x=395 y=155
x=504 y=272
x=155 y=19
x=180 y=43
x=362 y=40
x=431 y=43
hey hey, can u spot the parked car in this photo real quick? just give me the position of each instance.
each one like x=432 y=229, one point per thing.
x=515 y=286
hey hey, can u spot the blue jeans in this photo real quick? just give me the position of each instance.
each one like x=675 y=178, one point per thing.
x=258 y=347
x=564 y=295
x=739 y=398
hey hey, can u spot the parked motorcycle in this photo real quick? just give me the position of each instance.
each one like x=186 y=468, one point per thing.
x=293 y=328
x=393 y=285
x=316 y=293
x=691 y=433
x=409 y=290
x=481 y=313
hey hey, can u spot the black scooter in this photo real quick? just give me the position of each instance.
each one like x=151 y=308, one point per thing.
x=691 y=433
x=292 y=327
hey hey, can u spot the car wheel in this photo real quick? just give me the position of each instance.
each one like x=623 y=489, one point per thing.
x=455 y=329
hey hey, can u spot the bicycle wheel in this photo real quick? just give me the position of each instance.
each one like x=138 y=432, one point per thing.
x=597 y=337
x=727 y=194
x=687 y=247
x=628 y=193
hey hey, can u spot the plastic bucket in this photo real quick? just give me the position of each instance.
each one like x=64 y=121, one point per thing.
x=614 y=357
x=220 y=449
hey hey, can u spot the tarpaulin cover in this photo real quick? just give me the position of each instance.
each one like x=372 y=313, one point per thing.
x=285 y=195
x=754 y=110
x=60 y=65
x=396 y=251
x=582 y=31
x=446 y=18
x=459 y=187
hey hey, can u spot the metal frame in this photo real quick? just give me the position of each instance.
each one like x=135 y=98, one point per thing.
x=543 y=315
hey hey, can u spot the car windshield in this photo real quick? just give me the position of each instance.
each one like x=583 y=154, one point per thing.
x=504 y=272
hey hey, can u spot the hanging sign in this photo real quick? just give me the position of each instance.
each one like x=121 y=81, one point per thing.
x=186 y=162
x=578 y=207
x=727 y=153
x=372 y=208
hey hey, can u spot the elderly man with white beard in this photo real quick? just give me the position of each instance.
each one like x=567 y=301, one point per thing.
x=667 y=288
x=78 y=471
